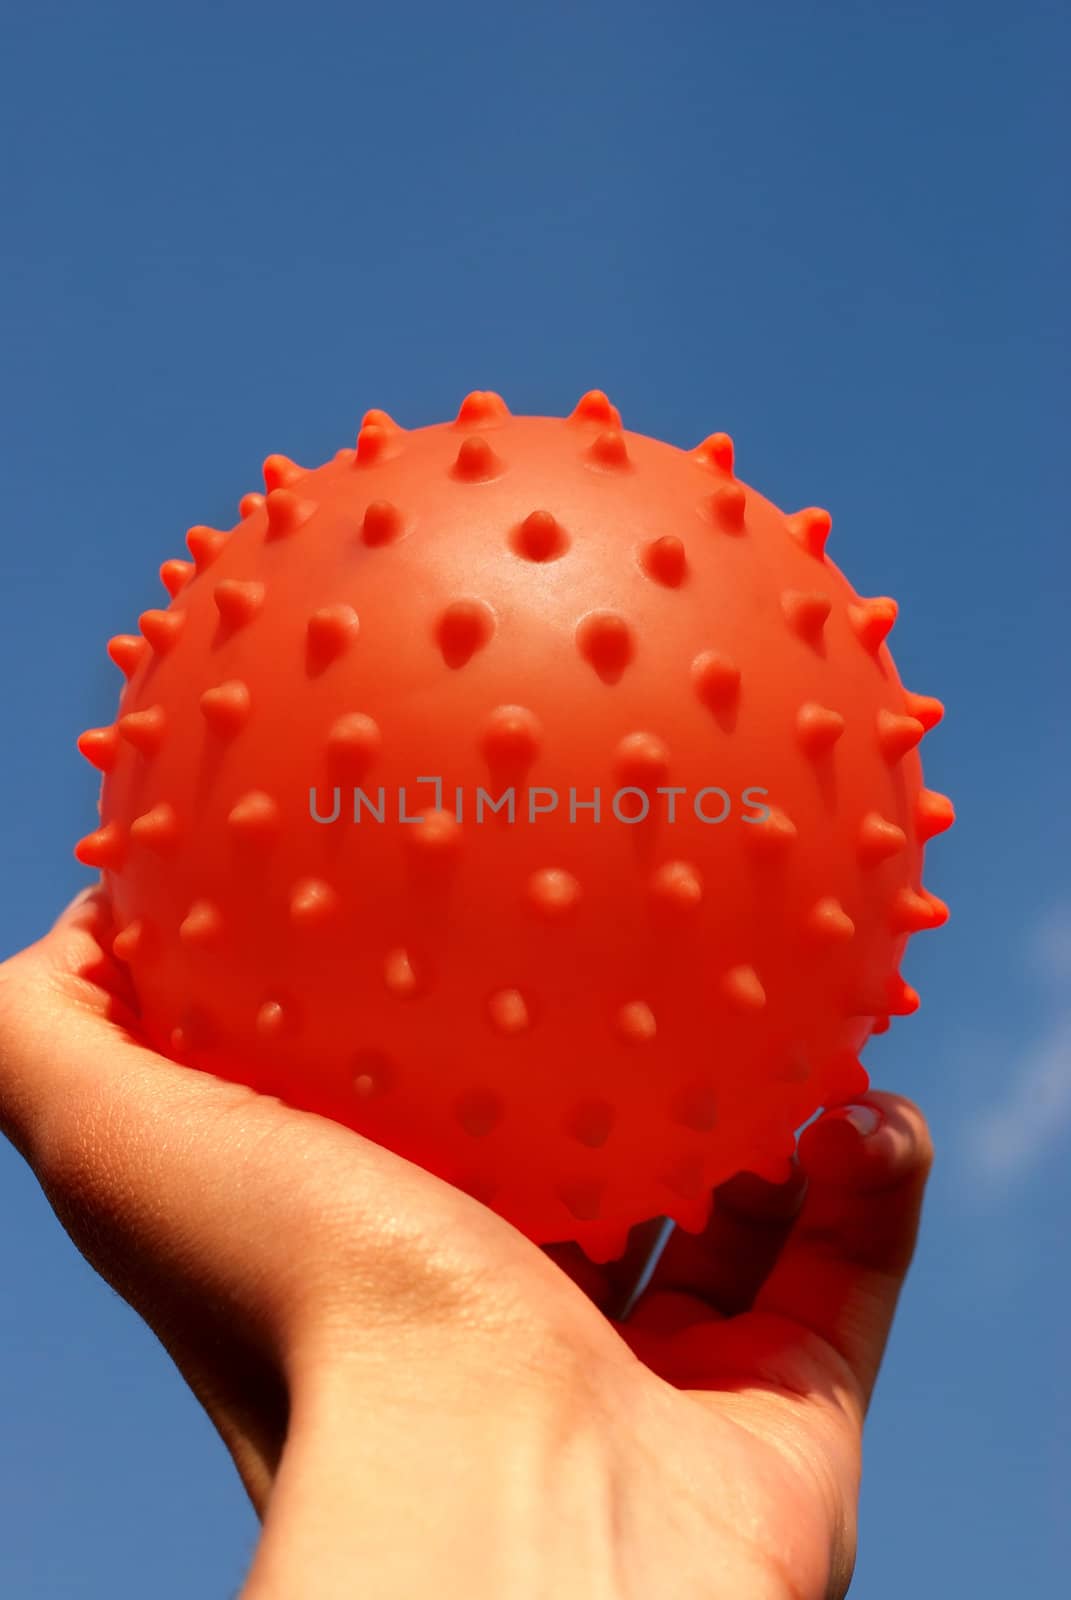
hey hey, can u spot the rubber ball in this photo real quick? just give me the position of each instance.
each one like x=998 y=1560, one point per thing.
x=533 y=797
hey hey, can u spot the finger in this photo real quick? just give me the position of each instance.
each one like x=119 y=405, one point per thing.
x=87 y=962
x=724 y=1266
x=841 y=1271
x=37 y=967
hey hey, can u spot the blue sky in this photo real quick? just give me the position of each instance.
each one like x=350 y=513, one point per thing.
x=834 y=230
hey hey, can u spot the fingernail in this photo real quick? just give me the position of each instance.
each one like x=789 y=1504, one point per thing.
x=864 y=1119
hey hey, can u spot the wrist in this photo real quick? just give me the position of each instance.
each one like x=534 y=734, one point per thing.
x=409 y=1472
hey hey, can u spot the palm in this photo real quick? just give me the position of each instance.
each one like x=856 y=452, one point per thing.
x=735 y=1437
x=731 y=1443
x=792 y=1517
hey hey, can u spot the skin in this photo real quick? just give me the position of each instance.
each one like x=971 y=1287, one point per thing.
x=414 y=1394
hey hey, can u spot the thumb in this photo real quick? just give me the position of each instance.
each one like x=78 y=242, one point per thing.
x=841 y=1271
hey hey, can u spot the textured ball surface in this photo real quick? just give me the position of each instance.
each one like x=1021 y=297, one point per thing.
x=583 y=1019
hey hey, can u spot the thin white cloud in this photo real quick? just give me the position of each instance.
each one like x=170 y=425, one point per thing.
x=1052 y=946
x=1009 y=1138
x=1006 y=1139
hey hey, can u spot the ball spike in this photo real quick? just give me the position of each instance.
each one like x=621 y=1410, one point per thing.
x=157 y=828
x=476 y=462
x=286 y=512
x=828 y=921
x=238 y=602
x=255 y=817
x=202 y=924
x=100 y=746
x=204 y=545
x=771 y=836
x=161 y=629
x=606 y=642
x=897 y=735
x=103 y=848
x=512 y=738
x=540 y=537
x=924 y=708
x=279 y=471
x=272 y=1020
x=175 y=574
x=806 y=613
x=226 y=707
x=609 y=451
x=872 y=621
x=131 y=941
x=878 y=839
x=810 y=528
x=716 y=679
x=377 y=418
x=383 y=523
x=743 y=989
x=846 y=1077
x=901 y=999
x=818 y=728
x=933 y=814
x=641 y=761
x=665 y=560
x=482 y=409
x=677 y=886
x=435 y=838
x=914 y=911
x=353 y=742
x=728 y=505
x=595 y=407
x=401 y=977
x=553 y=893
x=128 y=651
x=636 y=1023
x=378 y=439
x=463 y=627
x=717 y=451
x=329 y=632
x=144 y=729
x=313 y=903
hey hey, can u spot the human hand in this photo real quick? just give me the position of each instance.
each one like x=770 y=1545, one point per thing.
x=414 y=1393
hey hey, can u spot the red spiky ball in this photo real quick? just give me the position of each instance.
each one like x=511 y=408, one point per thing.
x=584 y=1020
